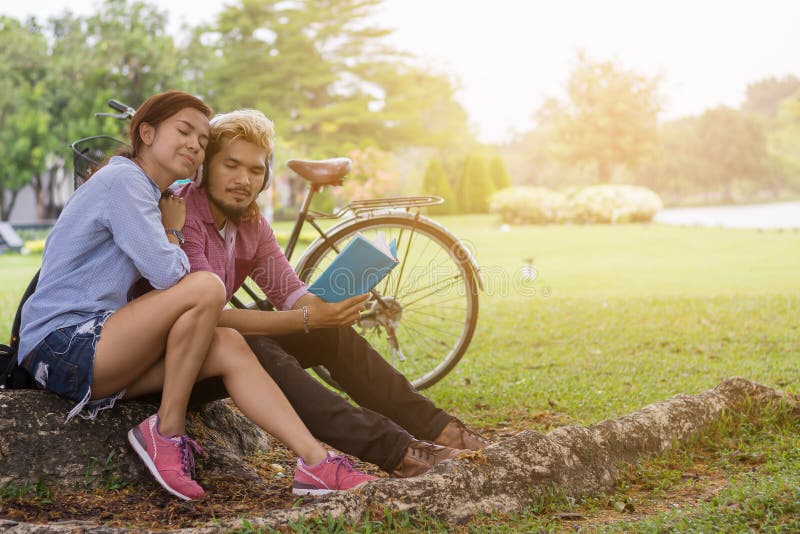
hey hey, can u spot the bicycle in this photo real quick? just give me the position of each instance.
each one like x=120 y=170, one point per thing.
x=421 y=318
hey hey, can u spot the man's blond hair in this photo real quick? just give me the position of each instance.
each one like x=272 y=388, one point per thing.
x=249 y=125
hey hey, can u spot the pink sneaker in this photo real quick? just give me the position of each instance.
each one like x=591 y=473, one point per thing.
x=334 y=473
x=170 y=460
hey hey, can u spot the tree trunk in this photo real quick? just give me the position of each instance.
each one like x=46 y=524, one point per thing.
x=6 y=207
x=37 y=184
x=604 y=171
x=504 y=478
x=35 y=444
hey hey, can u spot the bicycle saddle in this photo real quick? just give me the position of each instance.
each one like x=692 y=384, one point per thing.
x=321 y=172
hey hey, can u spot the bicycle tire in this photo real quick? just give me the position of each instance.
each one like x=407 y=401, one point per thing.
x=423 y=366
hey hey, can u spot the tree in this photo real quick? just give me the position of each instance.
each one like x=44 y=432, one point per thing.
x=474 y=188
x=498 y=173
x=609 y=117
x=764 y=97
x=722 y=154
x=123 y=52
x=24 y=118
x=324 y=73
x=783 y=143
x=436 y=182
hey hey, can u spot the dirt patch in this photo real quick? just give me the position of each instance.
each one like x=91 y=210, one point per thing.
x=148 y=506
x=701 y=489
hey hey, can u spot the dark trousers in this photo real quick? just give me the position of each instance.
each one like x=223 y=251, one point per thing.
x=390 y=410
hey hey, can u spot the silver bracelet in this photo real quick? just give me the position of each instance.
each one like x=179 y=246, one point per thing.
x=306 y=329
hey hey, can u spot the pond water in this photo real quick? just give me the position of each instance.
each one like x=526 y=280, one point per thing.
x=781 y=215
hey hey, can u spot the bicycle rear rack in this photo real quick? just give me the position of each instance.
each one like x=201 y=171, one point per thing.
x=373 y=204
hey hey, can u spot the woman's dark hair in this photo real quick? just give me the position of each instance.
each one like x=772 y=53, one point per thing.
x=159 y=108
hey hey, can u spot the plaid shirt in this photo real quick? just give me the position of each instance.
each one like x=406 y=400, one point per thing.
x=251 y=250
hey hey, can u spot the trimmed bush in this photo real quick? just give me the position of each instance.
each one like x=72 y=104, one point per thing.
x=529 y=205
x=498 y=173
x=436 y=182
x=614 y=204
x=595 y=204
x=475 y=188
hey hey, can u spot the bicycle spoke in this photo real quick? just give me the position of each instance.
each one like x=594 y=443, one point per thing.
x=427 y=295
x=439 y=303
x=430 y=327
x=417 y=307
x=417 y=335
x=434 y=316
x=415 y=290
x=432 y=268
x=403 y=266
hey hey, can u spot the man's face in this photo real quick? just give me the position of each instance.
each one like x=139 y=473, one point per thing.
x=235 y=176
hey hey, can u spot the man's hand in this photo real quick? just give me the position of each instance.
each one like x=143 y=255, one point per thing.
x=323 y=314
x=173 y=212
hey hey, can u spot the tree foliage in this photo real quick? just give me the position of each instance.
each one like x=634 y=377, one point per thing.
x=24 y=120
x=322 y=71
x=764 y=97
x=609 y=117
x=721 y=154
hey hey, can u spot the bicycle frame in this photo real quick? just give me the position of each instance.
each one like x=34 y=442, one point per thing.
x=356 y=208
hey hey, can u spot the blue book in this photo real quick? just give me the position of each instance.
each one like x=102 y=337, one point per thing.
x=357 y=269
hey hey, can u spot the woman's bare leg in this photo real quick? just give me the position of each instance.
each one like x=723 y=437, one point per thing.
x=257 y=395
x=175 y=324
x=251 y=388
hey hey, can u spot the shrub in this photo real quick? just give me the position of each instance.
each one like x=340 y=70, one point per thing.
x=35 y=246
x=595 y=204
x=613 y=204
x=529 y=205
x=436 y=182
x=498 y=173
x=475 y=188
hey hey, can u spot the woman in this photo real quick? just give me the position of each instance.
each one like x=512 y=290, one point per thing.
x=83 y=340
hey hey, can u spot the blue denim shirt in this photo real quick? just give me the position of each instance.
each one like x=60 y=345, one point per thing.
x=108 y=236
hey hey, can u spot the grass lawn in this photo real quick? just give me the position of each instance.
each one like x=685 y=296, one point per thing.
x=619 y=317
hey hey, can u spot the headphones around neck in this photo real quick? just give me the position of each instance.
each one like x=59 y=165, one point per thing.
x=268 y=180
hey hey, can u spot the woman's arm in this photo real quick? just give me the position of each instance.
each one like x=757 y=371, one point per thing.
x=134 y=220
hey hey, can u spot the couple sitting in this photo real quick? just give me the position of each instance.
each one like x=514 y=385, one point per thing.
x=83 y=338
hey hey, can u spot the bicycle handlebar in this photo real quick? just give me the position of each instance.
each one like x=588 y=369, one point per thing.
x=125 y=112
x=117 y=105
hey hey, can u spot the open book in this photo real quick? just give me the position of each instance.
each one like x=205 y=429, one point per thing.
x=358 y=268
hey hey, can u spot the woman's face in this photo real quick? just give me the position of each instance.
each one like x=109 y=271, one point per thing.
x=177 y=146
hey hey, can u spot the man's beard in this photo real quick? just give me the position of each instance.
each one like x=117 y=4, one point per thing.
x=231 y=212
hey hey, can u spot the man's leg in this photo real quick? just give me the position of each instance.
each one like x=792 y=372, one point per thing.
x=330 y=418
x=369 y=379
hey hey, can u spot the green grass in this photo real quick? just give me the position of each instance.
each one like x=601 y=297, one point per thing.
x=618 y=317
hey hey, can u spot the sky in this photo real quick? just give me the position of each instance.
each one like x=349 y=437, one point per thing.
x=509 y=55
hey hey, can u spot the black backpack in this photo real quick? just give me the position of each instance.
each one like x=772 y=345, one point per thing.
x=13 y=376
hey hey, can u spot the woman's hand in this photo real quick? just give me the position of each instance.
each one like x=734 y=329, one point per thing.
x=323 y=314
x=173 y=212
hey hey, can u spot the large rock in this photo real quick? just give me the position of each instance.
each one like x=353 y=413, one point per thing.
x=36 y=443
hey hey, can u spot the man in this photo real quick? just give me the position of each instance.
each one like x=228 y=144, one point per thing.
x=395 y=427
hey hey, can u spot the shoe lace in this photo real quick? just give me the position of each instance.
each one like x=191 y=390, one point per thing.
x=188 y=447
x=424 y=449
x=341 y=462
x=474 y=435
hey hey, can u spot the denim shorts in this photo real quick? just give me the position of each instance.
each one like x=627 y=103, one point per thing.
x=64 y=361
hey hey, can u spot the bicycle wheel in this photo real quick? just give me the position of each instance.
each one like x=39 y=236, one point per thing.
x=429 y=304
